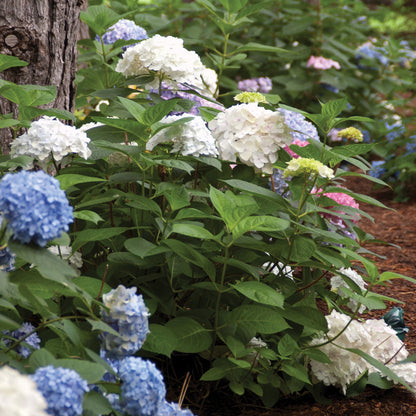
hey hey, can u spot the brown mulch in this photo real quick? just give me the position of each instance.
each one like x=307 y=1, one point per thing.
x=396 y=227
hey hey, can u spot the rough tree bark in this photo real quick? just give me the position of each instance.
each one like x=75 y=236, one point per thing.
x=43 y=33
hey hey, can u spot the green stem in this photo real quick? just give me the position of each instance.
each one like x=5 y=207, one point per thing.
x=107 y=79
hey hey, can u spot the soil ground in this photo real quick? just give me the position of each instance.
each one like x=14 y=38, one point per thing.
x=397 y=227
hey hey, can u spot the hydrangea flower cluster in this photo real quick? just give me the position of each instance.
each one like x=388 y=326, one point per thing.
x=406 y=371
x=124 y=29
x=261 y=84
x=250 y=97
x=352 y=134
x=166 y=56
x=377 y=169
x=339 y=282
x=302 y=165
x=251 y=133
x=369 y=51
x=128 y=315
x=143 y=390
x=32 y=340
x=190 y=138
x=62 y=388
x=278 y=183
x=168 y=92
x=173 y=409
x=319 y=62
x=49 y=137
x=19 y=395
x=35 y=207
x=373 y=337
x=395 y=129
x=302 y=129
x=6 y=260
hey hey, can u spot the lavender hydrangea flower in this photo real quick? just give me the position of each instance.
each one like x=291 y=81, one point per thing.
x=124 y=29
x=128 y=315
x=261 y=84
x=32 y=340
x=35 y=207
x=62 y=388
x=143 y=390
x=173 y=409
x=302 y=128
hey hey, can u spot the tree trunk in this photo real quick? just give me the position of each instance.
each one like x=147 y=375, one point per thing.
x=44 y=34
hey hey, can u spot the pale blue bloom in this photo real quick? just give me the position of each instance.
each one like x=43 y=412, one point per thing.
x=377 y=169
x=128 y=315
x=143 y=390
x=34 y=206
x=172 y=409
x=32 y=340
x=124 y=30
x=62 y=388
x=261 y=84
x=7 y=260
x=302 y=128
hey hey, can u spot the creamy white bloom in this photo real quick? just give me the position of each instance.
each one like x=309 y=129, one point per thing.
x=279 y=269
x=251 y=133
x=49 y=136
x=406 y=371
x=373 y=337
x=74 y=260
x=19 y=395
x=189 y=138
x=337 y=283
x=167 y=56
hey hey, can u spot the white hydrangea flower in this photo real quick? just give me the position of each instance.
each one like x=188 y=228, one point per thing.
x=337 y=283
x=19 y=395
x=189 y=138
x=279 y=269
x=74 y=260
x=49 y=136
x=167 y=56
x=406 y=371
x=373 y=337
x=251 y=133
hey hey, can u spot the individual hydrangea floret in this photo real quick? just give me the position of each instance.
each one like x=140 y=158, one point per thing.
x=173 y=409
x=377 y=169
x=32 y=340
x=302 y=129
x=261 y=84
x=374 y=337
x=128 y=315
x=167 y=92
x=250 y=97
x=143 y=390
x=62 y=388
x=35 y=207
x=189 y=138
x=166 y=57
x=124 y=29
x=302 y=165
x=338 y=283
x=319 y=62
x=352 y=134
x=49 y=137
x=251 y=133
x=19 y=395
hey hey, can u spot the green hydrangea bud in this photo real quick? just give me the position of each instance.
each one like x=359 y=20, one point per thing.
x=250 y=97
x=302 y=165
x=351 y=133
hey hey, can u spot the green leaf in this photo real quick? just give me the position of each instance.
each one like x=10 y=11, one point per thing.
x=96 y=403
x=177 y=195
x=287 y=346
x=188 y=253
x=192 y=230
x=385 y=276
x=102 y=327
x=99 y=18
x=9 y=61
x=139 y=246
x=96 y=234
x=87 y=215
x=259 y=47
x=233 y=6
x=8 y=123
x=259 y=223
x=158 y=111
x=143 y=203
x=334 y=107
x=41 y=358
x=306 y=316
x=160 y=340
x=317 y=355
x=68 y=180
x=135 y=109
x=91 y=285
x=260 y=293
x=296 y=370
x=192 y=337
x=89 y=371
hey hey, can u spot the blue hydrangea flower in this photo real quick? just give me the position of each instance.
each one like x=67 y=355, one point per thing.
x=35 y=207
x=396 y=129
x=124 y=29
x=143 y=390
x=62 y=388
x=128 y=315
x=7 y=260
x=369 y=51
x=377 y=169
x=32 y=340
x=172 y=409
x=303 y=129
x=410 y=146
x=261 y=84
x=330 y=87
x=279 y=183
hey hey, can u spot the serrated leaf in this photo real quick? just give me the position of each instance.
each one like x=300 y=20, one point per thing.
x=260 y=293
x=160 y=340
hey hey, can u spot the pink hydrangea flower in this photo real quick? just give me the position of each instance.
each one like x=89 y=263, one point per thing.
x=297 y=142
x=319 y=62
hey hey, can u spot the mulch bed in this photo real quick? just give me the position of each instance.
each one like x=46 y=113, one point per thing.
x=396 y=227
